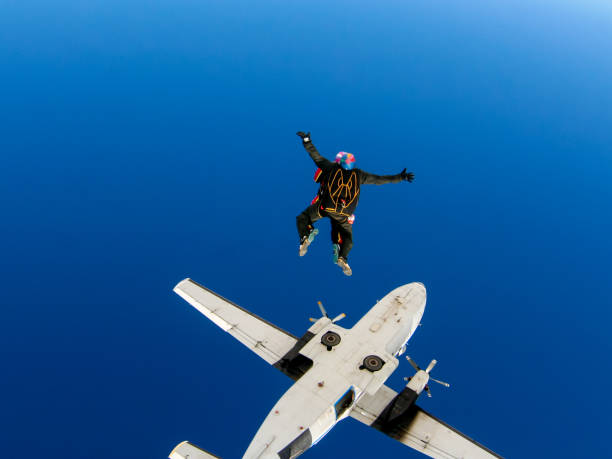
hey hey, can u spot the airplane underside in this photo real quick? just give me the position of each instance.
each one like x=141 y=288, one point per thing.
x=337 y=373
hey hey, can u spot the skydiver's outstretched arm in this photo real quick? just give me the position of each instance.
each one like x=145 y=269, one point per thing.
x=319 y=160
x=372 y=179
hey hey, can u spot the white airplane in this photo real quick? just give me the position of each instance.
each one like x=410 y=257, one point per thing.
x=338 y=372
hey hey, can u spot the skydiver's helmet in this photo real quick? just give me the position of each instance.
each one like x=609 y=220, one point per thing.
x=346 y=160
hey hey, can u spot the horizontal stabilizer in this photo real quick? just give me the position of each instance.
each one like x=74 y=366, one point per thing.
x=188 y=450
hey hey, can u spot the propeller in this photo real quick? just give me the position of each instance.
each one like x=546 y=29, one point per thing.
x=413 y=363
x=338 y=317
x=427 y=370
x=324 y=314
x=323 y=311
x=445 y=384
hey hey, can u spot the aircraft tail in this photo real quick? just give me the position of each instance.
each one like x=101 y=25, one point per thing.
x=186 y=450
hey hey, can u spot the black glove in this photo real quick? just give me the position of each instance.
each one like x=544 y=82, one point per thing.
x=304 y=136
x=408 y=176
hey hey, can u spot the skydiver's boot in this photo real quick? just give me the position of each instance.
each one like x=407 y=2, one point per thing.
x=346 y=269
x=306 y=241
x=336 y=249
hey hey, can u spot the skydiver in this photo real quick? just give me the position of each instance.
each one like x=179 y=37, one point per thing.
x=338 y=197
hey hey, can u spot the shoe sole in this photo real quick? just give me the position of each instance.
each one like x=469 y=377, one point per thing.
x=307 y=242
x=346 y=269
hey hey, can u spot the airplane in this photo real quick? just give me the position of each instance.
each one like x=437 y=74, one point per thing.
x=338 y=373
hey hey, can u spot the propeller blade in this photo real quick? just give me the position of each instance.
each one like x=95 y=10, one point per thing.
x=323 y=311
x=431 y=365
x=413 y=363
x=337 y=318
x=312 y=320
x=440 y=382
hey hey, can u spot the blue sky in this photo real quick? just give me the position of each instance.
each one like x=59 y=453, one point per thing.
x=144 y=142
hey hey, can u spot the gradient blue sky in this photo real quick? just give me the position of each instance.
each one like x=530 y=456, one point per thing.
x=144 y=142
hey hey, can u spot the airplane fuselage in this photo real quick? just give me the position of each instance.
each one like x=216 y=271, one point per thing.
x=333 y=367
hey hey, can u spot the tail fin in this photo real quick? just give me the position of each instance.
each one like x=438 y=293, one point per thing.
x=186 y=450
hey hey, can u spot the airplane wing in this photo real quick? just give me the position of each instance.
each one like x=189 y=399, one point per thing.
x=186 y=450
x=266 y=340
x=416 y=428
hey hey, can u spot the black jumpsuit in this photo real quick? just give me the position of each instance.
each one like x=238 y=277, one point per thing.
x=339 y=195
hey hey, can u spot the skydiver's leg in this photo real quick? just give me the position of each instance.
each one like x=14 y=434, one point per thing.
x=305 y=226
x=305 y=221
x=335 y=232
x=336 y=239
x=346 y=235
x=345 y=231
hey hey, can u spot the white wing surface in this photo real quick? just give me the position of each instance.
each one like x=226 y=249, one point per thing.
x=186 y=450
x=266 y=340
x=417 y=428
